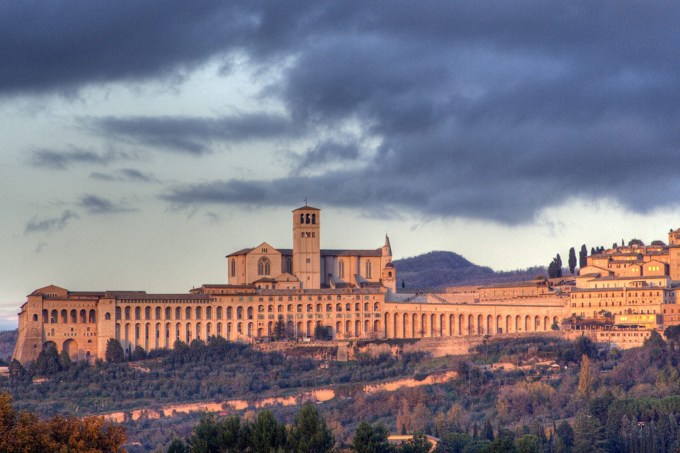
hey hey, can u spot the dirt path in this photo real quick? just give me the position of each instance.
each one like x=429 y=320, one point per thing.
x=317 y=395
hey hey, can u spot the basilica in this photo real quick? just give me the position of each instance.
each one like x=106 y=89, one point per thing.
x=351 y=293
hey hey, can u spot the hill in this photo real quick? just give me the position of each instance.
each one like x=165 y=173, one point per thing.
x=439 y=269
x=8 y=339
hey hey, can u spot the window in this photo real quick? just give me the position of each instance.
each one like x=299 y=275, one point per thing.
x=341 y=269
x=368 y=269
x=263 y=266
x=233 y=267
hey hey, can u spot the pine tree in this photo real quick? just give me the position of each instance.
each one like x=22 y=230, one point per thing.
x=309 y=433
x=280 y=329
x=585 y=377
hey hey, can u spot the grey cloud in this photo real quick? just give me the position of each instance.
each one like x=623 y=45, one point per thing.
x=94 y=204
x=61 y=160
x=125 y=174
x=327 y=152
x=194 y=135
x=48 y=225
x=490 y=110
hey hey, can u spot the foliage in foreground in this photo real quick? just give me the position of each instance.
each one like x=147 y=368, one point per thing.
x=25 y=432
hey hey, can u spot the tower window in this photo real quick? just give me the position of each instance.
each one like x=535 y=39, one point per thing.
x=368 y=269
x=313 y=219
x=341 y=269
x=302 y=218
x=307 y=219
x=233 y=267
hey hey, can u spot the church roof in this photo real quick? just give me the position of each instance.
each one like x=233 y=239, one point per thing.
x=324 y=252
x=307 y=208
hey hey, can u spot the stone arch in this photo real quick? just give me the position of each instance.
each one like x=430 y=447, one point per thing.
x=527 y=321
x=357 y=328
x=138 y=313
x=83 y=316
x=499 y=323
x=546 y=320
x=178 y=313
x=376 y=326
x=92 y=316
x=54 y=317
x=518 y=320
x=199 y=313
x=423 y=325
x=71 y=348
x=389 y=327
x=64 y=316
x=489 y=322
x=48 y=344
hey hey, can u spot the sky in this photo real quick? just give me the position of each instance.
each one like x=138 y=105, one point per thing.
x=141 y=142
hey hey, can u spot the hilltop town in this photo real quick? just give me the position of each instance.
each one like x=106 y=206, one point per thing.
x=617 y=299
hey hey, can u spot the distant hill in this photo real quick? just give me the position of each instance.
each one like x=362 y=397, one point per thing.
x=439 y=269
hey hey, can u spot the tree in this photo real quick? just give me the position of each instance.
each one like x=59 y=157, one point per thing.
x=565 y=434
x=585 y=378
x=47 y=362
x=369 y=439
x=583 y=257
x=572 y=260
x=138 y=354
x=309 y=433
x=672 y=333
x=280 y=329
x=322 y=333
x=114 y=351
x=267 y=433
x=588 y=434
x=17 y=373
x=637 y=242
x=419 y=444
x=178 y=446
x=555 y=267
x=528 y=443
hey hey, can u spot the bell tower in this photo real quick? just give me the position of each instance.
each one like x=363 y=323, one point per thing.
x=307 y=246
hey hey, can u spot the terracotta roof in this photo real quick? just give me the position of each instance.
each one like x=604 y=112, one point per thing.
x=351 y=252
x=307 y=208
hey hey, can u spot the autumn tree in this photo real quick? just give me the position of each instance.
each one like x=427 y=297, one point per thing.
x=585 y=378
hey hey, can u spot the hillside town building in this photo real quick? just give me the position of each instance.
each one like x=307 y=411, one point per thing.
x=352 y=294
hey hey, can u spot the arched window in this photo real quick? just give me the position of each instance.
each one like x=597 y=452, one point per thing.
x=307 y=218
x=233 y=267
x=368 y=269
x=313 y=219
x=263 y=266
x=302 y=218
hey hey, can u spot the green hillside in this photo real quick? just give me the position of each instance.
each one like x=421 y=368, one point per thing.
x=439 y=269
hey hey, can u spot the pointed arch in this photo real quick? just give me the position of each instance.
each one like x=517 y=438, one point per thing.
x=263 y=266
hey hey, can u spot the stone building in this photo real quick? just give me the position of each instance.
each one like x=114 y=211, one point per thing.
x=350 y=292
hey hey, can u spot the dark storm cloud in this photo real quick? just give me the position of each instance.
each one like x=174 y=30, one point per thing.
x=193 y=135
x=94 y=204
x=327 y=152
x=490 y=110
x=48 y=225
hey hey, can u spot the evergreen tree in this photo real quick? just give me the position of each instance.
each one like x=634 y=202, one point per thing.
x=178 y=446
x=280 y=329
x=419 y=444
x=17 y=373
x=593 y=251
x=369 y=439
x=47 y=362
x=565 y=434
x=309 y=433
x=488 y=430
x=585 y=378
x=114 y=351
x=138 y=354
x=583 y=257
x=267 y=433
x=572 y=260
x=64 y=360
x=588 y=434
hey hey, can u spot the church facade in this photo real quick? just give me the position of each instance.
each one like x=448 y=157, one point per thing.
x=350 y=292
